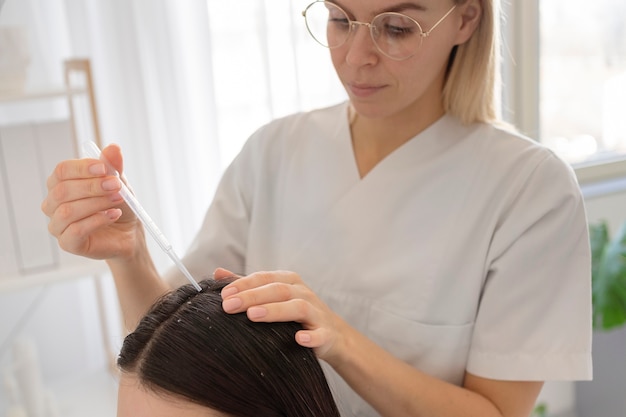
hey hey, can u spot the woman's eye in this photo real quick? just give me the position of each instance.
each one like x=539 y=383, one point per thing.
x=339 y=22
x=398 y=31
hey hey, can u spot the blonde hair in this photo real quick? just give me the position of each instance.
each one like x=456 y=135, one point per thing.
x=472 y=88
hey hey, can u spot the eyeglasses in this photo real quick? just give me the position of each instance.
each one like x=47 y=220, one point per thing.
x=395 y=35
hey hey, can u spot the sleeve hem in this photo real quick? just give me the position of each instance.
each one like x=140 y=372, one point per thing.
x=526 y=367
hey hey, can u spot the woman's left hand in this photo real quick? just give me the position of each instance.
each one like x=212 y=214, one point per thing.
x=280 y=296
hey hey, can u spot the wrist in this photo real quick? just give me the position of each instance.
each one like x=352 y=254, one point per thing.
x=131 y=247
x=346 y=340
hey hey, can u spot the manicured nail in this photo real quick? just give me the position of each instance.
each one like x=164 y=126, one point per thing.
x=227 y=292
x=114 y=214
x=257 y=312
x=304 y=338
x=111 y=184
x=97 y=169
x=231 y=304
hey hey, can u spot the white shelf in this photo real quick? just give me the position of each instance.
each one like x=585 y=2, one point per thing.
x=40 y=94
x=80 y=268
x=22 y=114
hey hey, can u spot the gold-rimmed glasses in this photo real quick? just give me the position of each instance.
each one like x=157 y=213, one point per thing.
x=395 y=35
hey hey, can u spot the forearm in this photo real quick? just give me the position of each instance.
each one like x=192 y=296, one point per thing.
x=391 y=386
x=395 y=388
x=138 y=285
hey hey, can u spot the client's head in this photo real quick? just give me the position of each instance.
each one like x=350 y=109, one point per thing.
x=188 y=358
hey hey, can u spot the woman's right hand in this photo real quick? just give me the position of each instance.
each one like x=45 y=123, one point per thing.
x=87 y=214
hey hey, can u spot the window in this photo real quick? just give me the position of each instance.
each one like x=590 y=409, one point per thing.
x=265 y=66
x=575 y=51
x=565 y=72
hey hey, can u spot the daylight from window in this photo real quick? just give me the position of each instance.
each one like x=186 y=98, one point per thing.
x=583 y=78
x=265 y=66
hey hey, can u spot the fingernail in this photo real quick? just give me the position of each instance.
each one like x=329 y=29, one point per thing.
x=231 y=304
x=257 y=312
x=227 y=292
x=114 y=214
x=304 y=337
x=97 y=169
x=110 y=185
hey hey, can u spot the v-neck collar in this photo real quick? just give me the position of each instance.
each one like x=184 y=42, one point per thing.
x=416 y=149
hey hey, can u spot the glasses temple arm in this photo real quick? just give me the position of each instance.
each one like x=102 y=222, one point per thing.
x=439 y=21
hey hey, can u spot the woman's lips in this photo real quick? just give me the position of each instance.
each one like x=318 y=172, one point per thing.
x=364 y=90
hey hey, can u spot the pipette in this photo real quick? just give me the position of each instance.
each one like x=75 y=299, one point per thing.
x=91 y=150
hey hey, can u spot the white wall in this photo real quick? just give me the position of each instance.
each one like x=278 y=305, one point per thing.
x=610 y=207
x=601 y=203
x=63 y=323
x=604 y=396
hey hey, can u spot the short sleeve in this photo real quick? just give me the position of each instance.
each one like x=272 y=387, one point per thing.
x=221 y=240
x=534 y=316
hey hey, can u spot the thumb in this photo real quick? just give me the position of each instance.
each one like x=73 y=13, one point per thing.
x=113 y=154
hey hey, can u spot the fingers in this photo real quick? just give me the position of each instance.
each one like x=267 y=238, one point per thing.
x=113 y=154
x=282 y=296
x=72 y=212
x=73 y=190
x=221 y=273
x=313 y=338
x=277 y=296
x=256 y=280
x=262 y=288
x=236 y=301
x=76 y=179
x=75 y=236
x=73 y=169
x=317 y=333
x=86 y=168
x=298 y=310
x=87 y=213
x=83 y=195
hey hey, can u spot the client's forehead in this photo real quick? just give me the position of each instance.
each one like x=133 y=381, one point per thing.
x=135 y=400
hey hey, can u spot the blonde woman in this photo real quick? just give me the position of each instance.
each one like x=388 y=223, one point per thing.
x=437 y=260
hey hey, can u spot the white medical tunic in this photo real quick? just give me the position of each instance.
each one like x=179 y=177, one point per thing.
x=466 y=249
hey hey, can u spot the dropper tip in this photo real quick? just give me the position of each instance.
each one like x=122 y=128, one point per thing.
x=196 y=285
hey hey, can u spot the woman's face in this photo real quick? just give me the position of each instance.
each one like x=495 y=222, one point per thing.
x=379 y=86
x=135 y=400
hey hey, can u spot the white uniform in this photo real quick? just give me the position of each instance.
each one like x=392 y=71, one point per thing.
x=466 y=249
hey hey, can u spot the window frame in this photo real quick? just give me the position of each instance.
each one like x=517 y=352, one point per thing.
x=521 y=54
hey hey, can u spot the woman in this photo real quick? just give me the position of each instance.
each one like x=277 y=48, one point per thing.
x=187 y=357
x=438 y=262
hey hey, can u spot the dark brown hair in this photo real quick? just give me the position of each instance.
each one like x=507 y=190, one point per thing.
x=186 y=345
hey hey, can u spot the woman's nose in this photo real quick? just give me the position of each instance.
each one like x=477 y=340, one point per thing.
x=361 y=47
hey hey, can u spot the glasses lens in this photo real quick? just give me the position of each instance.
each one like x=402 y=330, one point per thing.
x=396 y=35
x=327 y=23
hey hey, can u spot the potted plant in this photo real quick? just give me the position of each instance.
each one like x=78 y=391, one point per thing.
x=608 y=272
x=541 y=410
x=604 y=395
x=608 y=276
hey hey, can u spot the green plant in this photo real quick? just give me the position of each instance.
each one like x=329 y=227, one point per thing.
x=608 y=276
x=541 y=410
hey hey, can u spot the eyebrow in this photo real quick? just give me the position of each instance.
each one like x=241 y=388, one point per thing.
x=396 y=8
x=404 y=6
